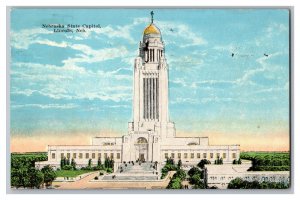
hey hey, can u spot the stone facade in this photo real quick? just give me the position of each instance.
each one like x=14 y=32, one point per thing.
x=221 y=175
x=151 y=136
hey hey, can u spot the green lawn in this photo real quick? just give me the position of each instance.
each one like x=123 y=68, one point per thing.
x=71 y=173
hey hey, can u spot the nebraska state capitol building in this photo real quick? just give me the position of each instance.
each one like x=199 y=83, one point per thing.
x=151 y=136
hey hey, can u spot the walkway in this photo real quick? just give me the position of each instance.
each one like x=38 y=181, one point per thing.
x=86 y=183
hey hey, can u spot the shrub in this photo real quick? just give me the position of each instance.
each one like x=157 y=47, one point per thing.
x=67 y=167
x=269 y=161
x=181 y=174
x=49 y=174
x=194 y=170
x=239 y=183
x=109 y=170
x=175 y=183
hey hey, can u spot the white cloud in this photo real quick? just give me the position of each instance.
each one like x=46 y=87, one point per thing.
x=89 y=55
x=117 y=32
x=45 y=106
x=70 y=82
x=183 y=32
x=52 y=43
x=272 y=33
x=24 y=38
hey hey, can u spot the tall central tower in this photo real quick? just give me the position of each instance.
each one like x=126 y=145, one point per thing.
x=150 y=99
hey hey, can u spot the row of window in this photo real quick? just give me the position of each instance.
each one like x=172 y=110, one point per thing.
x=198 y=155
x=265 y=178
x=87 y=155
x=153 y=55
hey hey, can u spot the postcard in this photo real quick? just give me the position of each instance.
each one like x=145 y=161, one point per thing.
x=149 y=98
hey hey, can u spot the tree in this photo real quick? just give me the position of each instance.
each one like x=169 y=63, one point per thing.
x=19 y=177
x=179 y=164
x=21 y=166
x=36 y=178
x=99 y=163
x=180 y=173
x=112 y=163
x=62 y=162
x=193 y=171
x=106 y=163
x=49 y=174
x=197 y=182
x=90 y=163
x=73 y=163
x=219 y=161
x=68 y=161
x=236 y=183
x=170 y=161
x=203 y=162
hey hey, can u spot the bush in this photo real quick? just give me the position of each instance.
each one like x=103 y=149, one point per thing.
x=109 y=170
x=96 y=178
x=269 y=161
x=194 y=170
x=180 y=174
x=195 y=179
x=101 y=173
x=219 y=161
x=49 y=174
x=23 y=172
x=168 y=167
x=175 y=183
x=239 y=183
x=67 y=167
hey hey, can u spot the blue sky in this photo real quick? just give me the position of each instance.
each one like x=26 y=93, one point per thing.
x=69 y=83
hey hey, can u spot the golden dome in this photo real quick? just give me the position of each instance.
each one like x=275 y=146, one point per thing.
x=151 y=29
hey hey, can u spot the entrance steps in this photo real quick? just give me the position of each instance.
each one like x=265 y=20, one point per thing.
x=132 y=172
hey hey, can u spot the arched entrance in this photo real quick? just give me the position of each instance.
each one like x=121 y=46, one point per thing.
x=141 y=147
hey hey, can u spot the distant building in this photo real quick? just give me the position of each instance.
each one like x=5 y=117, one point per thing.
x=221 y=175
x=151 y=136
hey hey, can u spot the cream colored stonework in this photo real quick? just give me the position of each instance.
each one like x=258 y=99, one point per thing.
x=151 y=136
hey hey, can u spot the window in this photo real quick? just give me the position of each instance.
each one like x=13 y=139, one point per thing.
x=233 y=155
x=166 y=155
x=80 y=155
x=87 y=155
x=74 y=155
x=218 y=155
x=62 y=155
x=185 y=155
x=93 y=155
x=192 y=155
x=224 y=155
x=172 y=155
x=53 y=156
x=99 y=155
x=118 y=156
x=111 y=155
x=179 y=155
x=204 y=155
x=68 y=155
x=211 y=155
x=105 y=155
x=198 y=155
